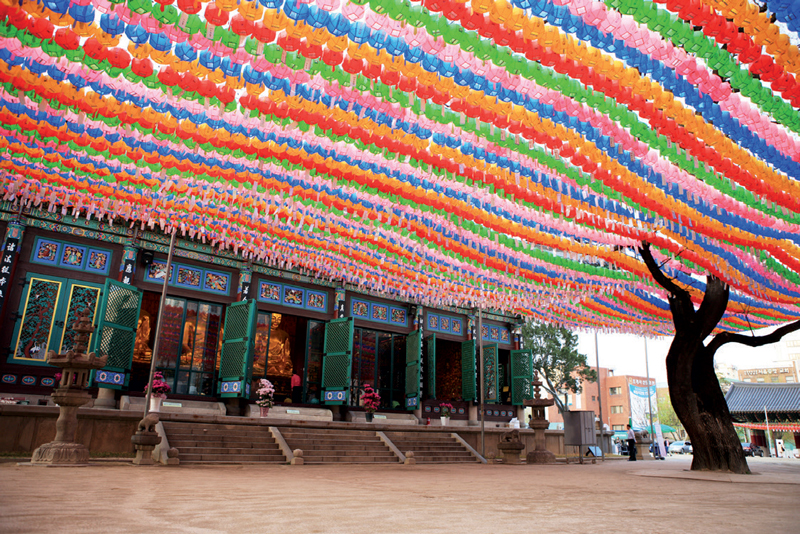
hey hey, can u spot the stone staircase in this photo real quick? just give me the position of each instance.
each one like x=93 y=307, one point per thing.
x=329 y=446
x=223 y=444
x=428 y=447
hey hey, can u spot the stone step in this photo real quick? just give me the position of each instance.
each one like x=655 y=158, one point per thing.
x=229 y=450
x=330 y=446
x=426 y=454
x=445 y=461
x=228 y=462
x=217 y=432
x=423 y=440
x=305 y=434
x=215 y=445
x=219 y=437
x=311 y=441
x=231 y=458
x=426 y=442
x=332 y=431
x=347 y=452
x=336 y=459
x=428 y=448
x=420 y=435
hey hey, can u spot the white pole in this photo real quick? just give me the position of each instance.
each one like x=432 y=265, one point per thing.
x=649 y=399
x=158 y=324
x=599 y=398
x=480 y=356
x=769 y=434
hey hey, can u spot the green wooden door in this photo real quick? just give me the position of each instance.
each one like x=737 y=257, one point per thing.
x=83 y=299
x=490 y=372
x=337 y=360
x=115 y=335
x=40 y=320
x=47 y=310
x=238 y=345
x=430 y=345
x=468 y=389
x=521 y=376
x=413 y=353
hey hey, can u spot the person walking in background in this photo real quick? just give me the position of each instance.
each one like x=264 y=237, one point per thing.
x=631 y=445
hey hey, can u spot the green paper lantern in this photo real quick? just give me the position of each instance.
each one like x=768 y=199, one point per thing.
x=140 y=7
x=194 y=24
x=165 y=14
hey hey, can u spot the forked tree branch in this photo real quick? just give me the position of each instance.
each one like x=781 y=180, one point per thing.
x=752 y=341
x=715 y=302
x=681 y=296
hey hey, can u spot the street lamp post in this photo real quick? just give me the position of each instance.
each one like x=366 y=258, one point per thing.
x=649 y=397
x=599 y=398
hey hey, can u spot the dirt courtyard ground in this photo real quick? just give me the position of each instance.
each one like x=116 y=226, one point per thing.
x=615 y=496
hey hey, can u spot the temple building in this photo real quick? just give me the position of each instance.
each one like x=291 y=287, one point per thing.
x=228 y=322
x=765 y=408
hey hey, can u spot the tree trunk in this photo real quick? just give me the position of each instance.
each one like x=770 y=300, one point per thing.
x=700 y=405
x=693 y=386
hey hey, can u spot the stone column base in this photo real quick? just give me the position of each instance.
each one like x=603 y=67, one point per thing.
x=540 y=457
x=511 y=452
x=144 y=456
x=60 y=453
x=105 y=399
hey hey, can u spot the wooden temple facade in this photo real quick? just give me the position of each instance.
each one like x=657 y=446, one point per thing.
x=318 y=341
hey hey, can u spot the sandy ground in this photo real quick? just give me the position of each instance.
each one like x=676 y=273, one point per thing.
x=615 y=496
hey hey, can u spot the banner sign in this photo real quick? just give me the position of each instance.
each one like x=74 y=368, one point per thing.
x=640 y=407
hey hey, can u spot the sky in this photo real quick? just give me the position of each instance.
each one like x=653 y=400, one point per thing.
x=625 y=354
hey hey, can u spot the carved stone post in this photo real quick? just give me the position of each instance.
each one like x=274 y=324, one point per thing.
x=69 y=396
x=540 y=454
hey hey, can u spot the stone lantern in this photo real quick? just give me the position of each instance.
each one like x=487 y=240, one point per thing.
x=69 y=396
x=539 y=454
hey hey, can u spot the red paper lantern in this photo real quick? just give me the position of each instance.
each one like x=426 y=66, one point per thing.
x=425 y=92
x=207 y=88
x=472 y=20
x=489 y=29
x=353 y=66
x=329 y=57
x=216 y=16
x=311 y=51
x=290 y=44
x=372 y=72
x=440 y=98
x=169 y=76
x=94 y=49
x=119 y=58
x=226 y=94
x=42 y=28
x=67 y=39
x=390 y=77
x=407 y=85
x=262 y=33
x=189 y=82
x=241 y=26
x=141 y=67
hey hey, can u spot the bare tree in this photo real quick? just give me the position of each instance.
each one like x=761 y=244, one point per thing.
x=693 y=385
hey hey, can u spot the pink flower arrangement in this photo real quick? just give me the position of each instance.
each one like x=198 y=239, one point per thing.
x=265 y=392
x=371 y=399
x=446 y=408
x=160 y=387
